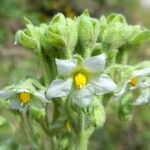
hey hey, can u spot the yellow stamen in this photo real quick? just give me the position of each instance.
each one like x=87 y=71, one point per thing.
x=80 y=80
x=133 y=81
x=24 y=97
x=68 y=126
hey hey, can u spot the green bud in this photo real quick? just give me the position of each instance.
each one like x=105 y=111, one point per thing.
x=116 y=35
x=116 y=18
x=105 y=22
x=62 y=34
x=87 y=34
x=29 y=37
x=26 y=41
x=96 y=113
x=36 y=113
x=102 y=27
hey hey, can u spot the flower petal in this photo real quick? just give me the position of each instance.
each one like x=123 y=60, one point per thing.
x=103 y=85
x=59 y=88
x=36 y=102
x=143 y=98
x=6 y=94
x=19 y=90
x=82 y=97
x=95 y=63
x=65 y=66
x=15 y=104
x=145 y=84
x=40 y=96
x=142 y=72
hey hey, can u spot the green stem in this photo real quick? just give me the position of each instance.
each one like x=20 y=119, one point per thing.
x=44 y=70
x=111 y=57
x=27 y=130
x=82 y=139
x=86 y=53
x=122 y=56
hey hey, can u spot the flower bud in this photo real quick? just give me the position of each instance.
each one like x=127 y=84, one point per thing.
x=62 y=34
x=26 y=40
x=87 y=33
x=116 y=35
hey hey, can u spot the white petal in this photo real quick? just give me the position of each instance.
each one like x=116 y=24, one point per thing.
x=40 y=96
x=96 y=63
x=65 y=66
x=15 y=104
x=59 y=88
x=103 y=85
x=142 y=72
x=145 y=84
x=6 y=94
x=143 y=98
x=36 y=102
x=19 y=90
x=82 y=97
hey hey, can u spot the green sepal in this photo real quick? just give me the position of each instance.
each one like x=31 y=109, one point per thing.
x=96 y=113
x=119 y=74
x=125 y=108
x=36 y=113
x=26 y=40
x=140 y=37
x=114 y=17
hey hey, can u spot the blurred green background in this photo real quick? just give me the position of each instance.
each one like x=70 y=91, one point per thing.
x=15 y=63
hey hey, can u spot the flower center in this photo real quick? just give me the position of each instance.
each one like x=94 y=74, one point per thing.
x=24 y=97
x=133 y=81
x=80 y=80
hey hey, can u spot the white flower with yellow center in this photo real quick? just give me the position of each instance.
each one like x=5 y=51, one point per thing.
x=23 y=98
x=81 y=80
x=139 y=80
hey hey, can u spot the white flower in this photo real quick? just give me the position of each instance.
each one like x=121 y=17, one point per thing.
x=22 y=97
x=81 y=80
x=140 y=79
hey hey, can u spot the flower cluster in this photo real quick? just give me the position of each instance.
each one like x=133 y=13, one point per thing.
x=83 y=65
